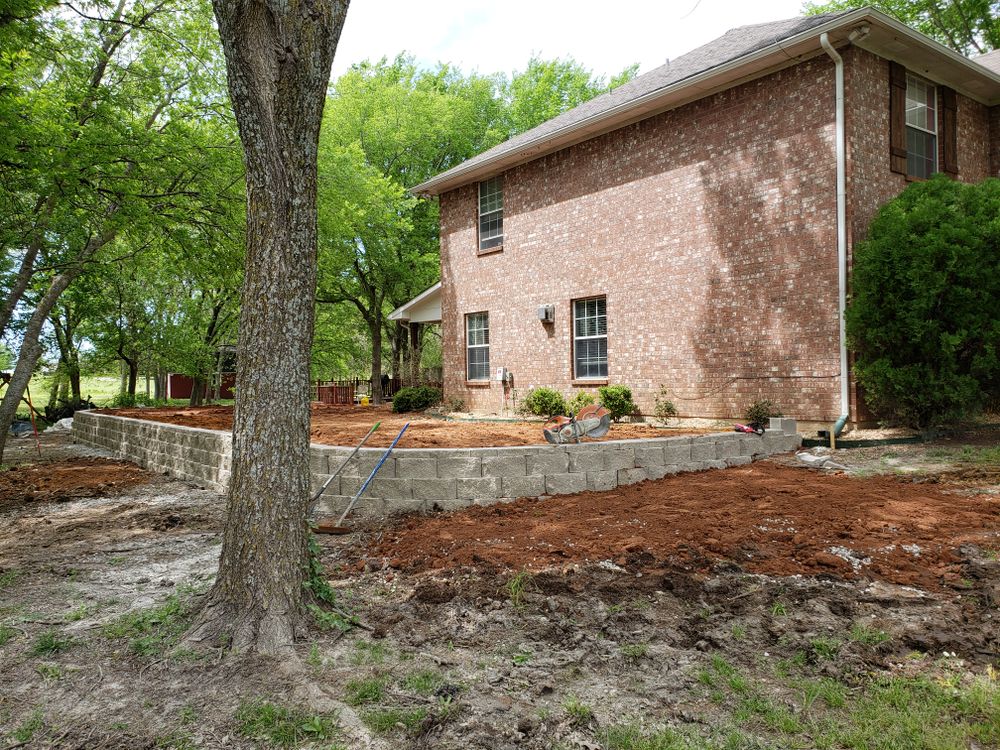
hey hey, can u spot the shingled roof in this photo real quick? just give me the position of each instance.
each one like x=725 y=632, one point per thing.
x=732 y=45
x=739 y=54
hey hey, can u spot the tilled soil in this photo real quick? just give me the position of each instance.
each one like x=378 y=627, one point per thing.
x=765 y=517
x=346 y=425
x=68 y=479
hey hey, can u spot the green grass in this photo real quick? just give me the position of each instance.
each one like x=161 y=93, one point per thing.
x=7 y=633
x=8 y=577
x=825 y=649
x=578 y=712
x=422 y=681
x=634 y=737
x=26 y=730
x=386 y=720
x=281 y=726
x=368 y=652
x=151 y=632
x=50 y=642
x=867 y=636
x=364 y=691
x=516 y=587
x=634 y=650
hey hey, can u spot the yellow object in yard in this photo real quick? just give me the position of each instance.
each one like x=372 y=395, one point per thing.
x=364 y=401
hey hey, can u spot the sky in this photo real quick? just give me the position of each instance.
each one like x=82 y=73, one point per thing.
x=492 y=37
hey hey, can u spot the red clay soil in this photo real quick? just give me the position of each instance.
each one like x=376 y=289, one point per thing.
x=68 y=480
x=346 y=425
x=766 y=518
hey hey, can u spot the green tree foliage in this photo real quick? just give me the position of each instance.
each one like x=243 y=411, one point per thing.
x=971 y=27
x=924 y=317
x=547 y=88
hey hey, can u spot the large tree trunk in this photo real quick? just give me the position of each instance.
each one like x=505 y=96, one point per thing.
x=375 y=329
x=416 y=339
x=278 y=55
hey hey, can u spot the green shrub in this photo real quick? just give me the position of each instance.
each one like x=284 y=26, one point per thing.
x=663 y=407
x=544 y=402
x=617 y=399
x=759 y=413
x=580 y=400
x=415 y=398
x=924 y=317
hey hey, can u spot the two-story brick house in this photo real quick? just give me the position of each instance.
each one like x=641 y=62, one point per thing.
x=693 y=228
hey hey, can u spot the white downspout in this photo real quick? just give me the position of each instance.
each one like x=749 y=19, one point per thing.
x=845 y=402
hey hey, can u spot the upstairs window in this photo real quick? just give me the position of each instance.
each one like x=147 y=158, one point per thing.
x=491 y=213
x=590 y=338
x=477 y=346
x=921 y=128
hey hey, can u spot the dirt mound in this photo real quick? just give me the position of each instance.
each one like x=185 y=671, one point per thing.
x=346 y=425
x=68 y=480
x=765 y=518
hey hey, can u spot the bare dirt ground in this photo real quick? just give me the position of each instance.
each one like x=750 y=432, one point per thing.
x=755 y=607
x=346 y=425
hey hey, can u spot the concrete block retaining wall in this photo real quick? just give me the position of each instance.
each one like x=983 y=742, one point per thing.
x=414 y=479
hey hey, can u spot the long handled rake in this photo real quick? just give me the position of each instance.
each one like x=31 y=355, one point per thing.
x=339 y=528
x=334 y=475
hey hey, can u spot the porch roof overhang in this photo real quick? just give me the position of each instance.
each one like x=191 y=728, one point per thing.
x=424 y=308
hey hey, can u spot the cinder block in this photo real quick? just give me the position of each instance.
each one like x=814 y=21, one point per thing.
x=619 y=458
x=514 y=487
x=646 y=457
x=565 y=484
x=703 y=451
x=389 y=487
x=416 y=468
x=483 y=488
x=552 y=461
x=738 y=460
x=459 y=467
x=600 y=481
x=658 y=472
x=632 y=476
x=505 y=466
x=589 y=461
x=434 y=489
x=319 y=462
x=727 y=448
x=677 y=454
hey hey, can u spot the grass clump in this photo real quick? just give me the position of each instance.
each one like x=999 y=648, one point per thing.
x=634 y=737
x=281 y=726
x=26 y=730
x=578 y=712
x=516 y=588
x=385 y=720
x=422 y=681
x=867 y=636
x=50 y=642
x=364 y=691
x=8 y=577
x=368 y=652
x=7 y=633
x=634 y=650
x=825 y=649
x=151 y=632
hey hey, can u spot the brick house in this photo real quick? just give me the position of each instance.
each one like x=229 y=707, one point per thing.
x=687 y=230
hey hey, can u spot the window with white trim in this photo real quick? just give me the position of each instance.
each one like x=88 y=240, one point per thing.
x=477 y=346
x=491 y=213
x=921 y=127
x=590 y=338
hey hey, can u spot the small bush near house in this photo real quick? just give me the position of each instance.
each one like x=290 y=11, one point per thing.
x=759 y=413
x=617 y=399
x=415 y=398
x=663 y=407
x=544 y=402
x=924 y=316
x=581 y=400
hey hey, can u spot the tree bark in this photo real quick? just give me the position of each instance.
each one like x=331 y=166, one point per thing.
x=278 y=54
x=416 y=340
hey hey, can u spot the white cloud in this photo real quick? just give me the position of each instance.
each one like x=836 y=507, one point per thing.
x=491 y=36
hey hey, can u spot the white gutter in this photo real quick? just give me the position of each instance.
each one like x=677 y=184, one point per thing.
x=838 y=61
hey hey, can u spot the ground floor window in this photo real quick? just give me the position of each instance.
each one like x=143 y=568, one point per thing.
x=477 y=346
x=590 y=338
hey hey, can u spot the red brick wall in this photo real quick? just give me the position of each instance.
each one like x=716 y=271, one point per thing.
x=711 y=229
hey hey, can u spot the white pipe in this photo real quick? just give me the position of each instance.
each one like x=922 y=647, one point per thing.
x=845 y=401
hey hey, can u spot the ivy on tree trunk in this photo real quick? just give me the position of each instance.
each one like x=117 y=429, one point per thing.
x=278 y=55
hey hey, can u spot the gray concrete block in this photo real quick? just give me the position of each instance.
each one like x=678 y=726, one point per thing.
x=505 y=466
x=677 y=454
x=483 y=488
x=658 y=472
x=703 y=451
x=416 y=468
x=514 y=487
x=727 y=448
x=716 y=464
x=632 y=476
x=646 y=457
x=601 y=481
x=389 y=487
x=738 y=460
x=619 y=458
x=434 y=489
x=319 y=462
x=565 y=484
x=459 y=467
x=588 y=461
x=551 y=461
